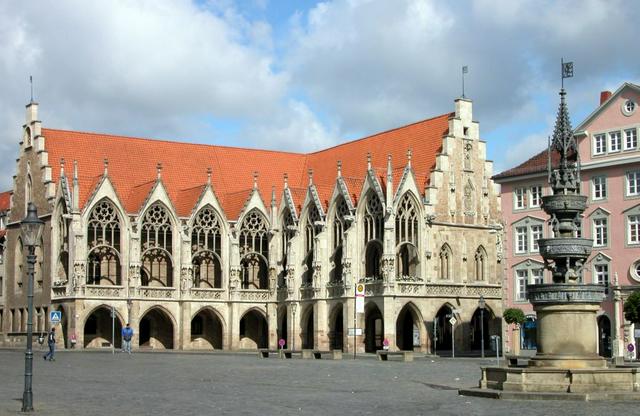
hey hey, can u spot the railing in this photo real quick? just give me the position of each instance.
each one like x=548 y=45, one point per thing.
x=307 y=291
x=462 y=290
x=207 y=294
x=254 y=295
x=373 y=287
x=158 y=292
x=99 y=291
x=335 y=289
x=59 y=292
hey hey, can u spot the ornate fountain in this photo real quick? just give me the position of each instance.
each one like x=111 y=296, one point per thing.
x=567 y=360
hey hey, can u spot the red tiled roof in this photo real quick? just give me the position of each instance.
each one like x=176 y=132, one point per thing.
x=5 y=200
x=132 y=165
x=536 y=164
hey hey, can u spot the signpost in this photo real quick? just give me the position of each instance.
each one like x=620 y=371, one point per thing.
x=113 y=330
x=359 y=308
x=453 y=321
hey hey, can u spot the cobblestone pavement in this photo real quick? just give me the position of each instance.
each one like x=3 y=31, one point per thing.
x=99 y=383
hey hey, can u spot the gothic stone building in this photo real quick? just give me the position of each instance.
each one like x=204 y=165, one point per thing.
x=212 y=247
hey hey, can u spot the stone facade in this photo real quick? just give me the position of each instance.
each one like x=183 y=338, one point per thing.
x=204 y=267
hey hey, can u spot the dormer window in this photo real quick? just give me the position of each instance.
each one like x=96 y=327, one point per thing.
x=629 y=107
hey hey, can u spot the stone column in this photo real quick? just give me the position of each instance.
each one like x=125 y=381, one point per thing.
x=321 y=325
x=389 y=319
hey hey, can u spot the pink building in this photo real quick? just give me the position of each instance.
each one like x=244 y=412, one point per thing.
x=610 y=158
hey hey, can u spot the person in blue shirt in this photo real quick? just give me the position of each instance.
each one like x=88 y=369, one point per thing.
x=51 y=341
x=127 y=334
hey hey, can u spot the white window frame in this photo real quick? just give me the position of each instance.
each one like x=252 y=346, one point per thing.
x=632 y=187
x=630 y=139
x=535 y=196
x=521 y=280
x=600 y=235
x=535 y=235
x=633 y=229
x=519 y=198
x=598 y=188
x=599 y=144
x=537 y=275
x=615 y=142
x=601 y=273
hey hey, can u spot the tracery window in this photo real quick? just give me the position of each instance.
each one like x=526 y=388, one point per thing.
x=206 y=249
x=337 y=239
x=480 y=263
x=407 y=237
x=311 y=229
x=103 y=244
x=446 y=256
x=254 y=251
x=156 y=239
x=288 y=232
x=62 y=225
x=373 y=235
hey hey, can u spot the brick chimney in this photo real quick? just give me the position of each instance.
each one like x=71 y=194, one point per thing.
x=604 y=96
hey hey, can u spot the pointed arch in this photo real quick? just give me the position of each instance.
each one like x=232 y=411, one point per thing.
x=446 y=259
x=156 y=246
x=104 y=265
x=373 y=223
x=253 y=329
x=480 y=263
x=409 y=328
x=312 y=228
x=62 y=242
x=407 y=237
x=206 y=248
x=289 y=229
x=339 y=225
x=207 y=329
x=97 y=328
x=254 y=250
x=156 y=329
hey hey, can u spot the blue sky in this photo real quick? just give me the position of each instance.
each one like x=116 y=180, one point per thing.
x=303 y=75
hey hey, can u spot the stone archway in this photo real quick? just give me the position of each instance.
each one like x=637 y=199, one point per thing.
x=156 y=330
x=336 y=328
x=480 y=326
x=253 y=330
x=408 y=329
x=443 y=329
x=97 y=331
x=308 y=329
x=206 y=330
x=374 y=328
x=604 y=336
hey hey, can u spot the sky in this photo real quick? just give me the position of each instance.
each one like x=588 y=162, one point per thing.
x=304 y=75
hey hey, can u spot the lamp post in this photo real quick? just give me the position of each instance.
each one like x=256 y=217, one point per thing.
x=481 y=305
x=31 y=230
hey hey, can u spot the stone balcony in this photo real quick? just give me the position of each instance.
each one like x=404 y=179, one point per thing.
x=254 y=295
x=206 y=294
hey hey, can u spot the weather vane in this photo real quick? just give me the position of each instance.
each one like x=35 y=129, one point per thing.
x=567 y=70
x=465 y=70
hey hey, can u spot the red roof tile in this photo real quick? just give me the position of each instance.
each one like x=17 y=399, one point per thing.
x=132 y=165
x=5 y=200
x=536 y=164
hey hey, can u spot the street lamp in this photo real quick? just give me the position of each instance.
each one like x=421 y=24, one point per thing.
x=481 y=305
x=31 y=230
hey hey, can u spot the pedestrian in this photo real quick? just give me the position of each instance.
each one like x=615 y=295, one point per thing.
x=51 y=341
x=127 y=334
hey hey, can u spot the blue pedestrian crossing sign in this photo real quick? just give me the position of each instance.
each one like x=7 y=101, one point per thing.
x=55 y=317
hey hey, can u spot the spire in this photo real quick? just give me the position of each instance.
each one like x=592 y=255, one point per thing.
x=563 y=140
x=62 y=167
x=389 y=167
x=286 y=180
x=565 y=179
x=368 y=160
x=255 y=179
x=106 y=167
x=310 y=171
x=339 y=168
x=273 y=196
x=76 y=187
x=409 y=153
x=208 y=176
x=159 y=169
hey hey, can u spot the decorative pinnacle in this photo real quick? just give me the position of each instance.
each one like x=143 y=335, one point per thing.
x=286 y=180
x=310 y=177
x=368 y=160
x=75 y=170
x=209 y=176
x=273 y=195
x=159 y=169
x=409 y=153
x=106 y=166
x=255 y=179
x=389 y=167
x=563 y=140
x=339 y=168
x=61 y=167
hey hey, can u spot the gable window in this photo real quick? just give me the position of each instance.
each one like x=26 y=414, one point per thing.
x=312 y=229
x=633 y=229
x=407 y=237
x=373 y=235
x=340 y=224
x=600 y=232
x=206 y=249
x=527 y=273
x=599 y=144
x=521 y=284
x=601 y=274
x=156 y=237
x=536 y=234
x=103 y=244
x=633 y=183
x=614 y=141
x=628 y=107
x=519 y=199
x=254 y=251
x=288 y=232
x=630 y=139
x=598 y=187
x=535 y=196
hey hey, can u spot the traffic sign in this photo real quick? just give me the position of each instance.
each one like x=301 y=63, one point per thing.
x=281 y=342
x=453 y=321
x=360 y=289
x=55 y=317
x=355 y=331
x=359 y=298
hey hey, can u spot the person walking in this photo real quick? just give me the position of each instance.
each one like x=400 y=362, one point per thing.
x=127 y=334
x=51 y=341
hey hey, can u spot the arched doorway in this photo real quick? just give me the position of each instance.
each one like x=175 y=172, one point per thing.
x=253 y=330
x=206 y=330
x=336 y=330
x=156 y=330
x=283 y=327
x=442 y=327
x=604 y=336
x=374 y=328
x=308 y=332
x=479 y=323
x=97 y=329
x=408 y=329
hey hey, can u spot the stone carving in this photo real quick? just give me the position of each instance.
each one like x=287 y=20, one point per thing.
x=103 y=291
x=186 y=278
x=158 y=292
x=254 y=294
x=206 y=294
x=79 y=275
x=234 y=278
